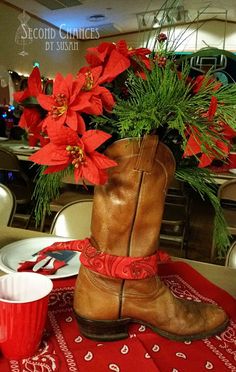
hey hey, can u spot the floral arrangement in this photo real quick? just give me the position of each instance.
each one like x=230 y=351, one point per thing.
x=126 y=92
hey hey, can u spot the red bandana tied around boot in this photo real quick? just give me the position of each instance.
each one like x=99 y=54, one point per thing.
x=109 y=265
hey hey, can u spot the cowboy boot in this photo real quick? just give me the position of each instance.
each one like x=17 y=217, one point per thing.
x=126 y=220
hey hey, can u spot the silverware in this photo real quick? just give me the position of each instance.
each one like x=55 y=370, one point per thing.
x=41 y=263
x=51 y=257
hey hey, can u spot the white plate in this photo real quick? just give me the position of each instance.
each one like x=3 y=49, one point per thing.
x=24 y=148
x=3 y=139
x=22 y=250
x=233 y=170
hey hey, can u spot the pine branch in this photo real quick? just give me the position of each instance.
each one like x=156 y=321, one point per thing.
x=46 y=189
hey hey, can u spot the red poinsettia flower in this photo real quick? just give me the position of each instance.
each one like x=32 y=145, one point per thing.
x=212 y=108
x=99 y=96
x=97 y=56
x=202 y=79
x=140 y=54
x=228 y=132
x=32 y=122
x=33 y=89
x=66 y=148
x=193 y=147
x=66 y=103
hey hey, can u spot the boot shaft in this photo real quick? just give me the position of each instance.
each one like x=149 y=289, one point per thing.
x=128 y=210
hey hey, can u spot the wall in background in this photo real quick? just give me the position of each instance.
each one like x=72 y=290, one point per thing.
x=213 y=34
x=50 y=48
x=47 y=45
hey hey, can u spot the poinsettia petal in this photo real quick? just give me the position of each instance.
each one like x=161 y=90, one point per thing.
x=116 y=64
x=51 y=155
x=107 y=98
x=205 y=160
x=77 y=85
x=47 y=102
x=227 y=131
x=193 y=146
x=122 y=47
x=90 y=172
x=103 y=176
x=63 y=135
x=223 y=146
x=32 y=118
x=102 y=161
x=55 y=169
x=81 y=103
x=78 y=174
x=68 y=81
x=60 y=86
x=95 y=107
x=71 y=119
x=81 y=124
x=212 y=108
x=33 y=139
x=34 y=82
x=21 y=96
x=95 y=73
x=94 y=138
x=96 y=56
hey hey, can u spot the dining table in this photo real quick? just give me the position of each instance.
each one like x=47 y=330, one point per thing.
x=65 y=348
x=19 y=147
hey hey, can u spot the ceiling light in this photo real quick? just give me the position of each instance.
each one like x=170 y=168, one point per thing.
x=97 y=17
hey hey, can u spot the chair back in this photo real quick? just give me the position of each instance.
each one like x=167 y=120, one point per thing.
x=176 y=217
x=7 y=205
x=230 y=260
x=73 y=220
x=227 y=196
x=9 y=161
x=14 y=177
x=227 y=192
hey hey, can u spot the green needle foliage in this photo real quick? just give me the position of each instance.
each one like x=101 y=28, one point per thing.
x=46 y=189
x=168 y=104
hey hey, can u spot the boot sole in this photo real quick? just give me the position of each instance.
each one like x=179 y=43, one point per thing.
x=112 y=330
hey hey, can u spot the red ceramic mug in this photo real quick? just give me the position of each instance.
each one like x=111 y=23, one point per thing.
x=23 y=312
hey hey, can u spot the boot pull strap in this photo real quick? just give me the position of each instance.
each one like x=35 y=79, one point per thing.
x=147 y=153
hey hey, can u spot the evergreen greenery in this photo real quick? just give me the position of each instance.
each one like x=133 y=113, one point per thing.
x=164 y=104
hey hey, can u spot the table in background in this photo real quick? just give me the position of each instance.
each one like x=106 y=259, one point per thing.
x=223 y=277
x=13 y=145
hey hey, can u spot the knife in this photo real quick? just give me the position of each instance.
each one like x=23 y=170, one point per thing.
x=58 y=255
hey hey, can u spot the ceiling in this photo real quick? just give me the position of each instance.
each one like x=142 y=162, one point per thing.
x=120 y=16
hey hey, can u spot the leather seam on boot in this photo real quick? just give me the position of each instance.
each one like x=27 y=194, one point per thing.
x=100 y=286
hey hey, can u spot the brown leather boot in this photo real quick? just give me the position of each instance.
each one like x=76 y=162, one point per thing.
x=126 y=221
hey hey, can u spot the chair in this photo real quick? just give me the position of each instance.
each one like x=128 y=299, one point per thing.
x=230 y=260
x=12 y=176
x=73 y=220
x=176 y=216
x=7 y=205
x=227 y=195
x=69 y=194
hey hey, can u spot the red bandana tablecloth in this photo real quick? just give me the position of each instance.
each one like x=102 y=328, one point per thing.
x=65 y=349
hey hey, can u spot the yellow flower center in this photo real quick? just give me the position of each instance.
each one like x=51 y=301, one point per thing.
x=61 y=105
x=88 y=81
x=77 y=154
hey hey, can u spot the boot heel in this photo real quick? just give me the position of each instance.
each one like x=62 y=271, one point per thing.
x=104 y=330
